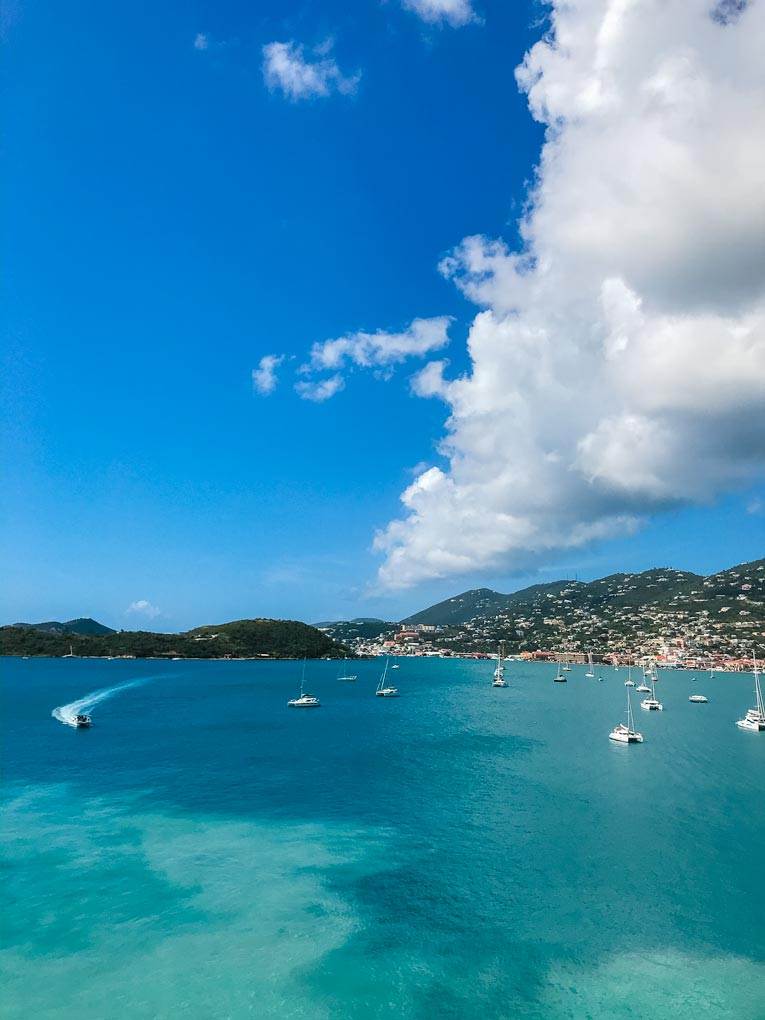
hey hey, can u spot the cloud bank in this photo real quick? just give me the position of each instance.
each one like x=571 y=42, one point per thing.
x=618 y=359
x=286 y=69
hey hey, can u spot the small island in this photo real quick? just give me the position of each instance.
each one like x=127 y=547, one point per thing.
x=239 y=639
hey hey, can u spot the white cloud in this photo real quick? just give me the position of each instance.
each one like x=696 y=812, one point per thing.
x=144 y=608
x=454 y=12
x=380 y=351
x=201 y=41
x=320 y=390
x=264 y=378
x=286 y=68
x=618 y=361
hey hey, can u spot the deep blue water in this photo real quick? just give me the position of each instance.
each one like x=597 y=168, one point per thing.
x=461 y=851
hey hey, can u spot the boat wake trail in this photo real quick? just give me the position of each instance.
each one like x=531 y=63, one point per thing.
x=66 y=714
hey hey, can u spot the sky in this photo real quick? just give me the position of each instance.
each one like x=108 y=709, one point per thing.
x=320 y=310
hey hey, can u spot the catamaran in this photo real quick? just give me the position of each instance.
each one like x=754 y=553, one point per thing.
x=305 y=700
x=755 y=718
x=652 y=703
x=643 y=687
x=499 y=672
x=629 y=682
x=698 y=699
x=626 y=734
x=590 y=671
x=347 y=676
x=383 y=690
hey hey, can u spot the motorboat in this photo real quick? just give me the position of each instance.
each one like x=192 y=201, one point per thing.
x=395 y=666
x=698 y=699
x=304 y=700
x=383 y=689
x=82 y=721
x=754 y=719
x=626 y=733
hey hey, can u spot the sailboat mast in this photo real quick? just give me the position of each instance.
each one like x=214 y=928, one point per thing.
x=757 y=689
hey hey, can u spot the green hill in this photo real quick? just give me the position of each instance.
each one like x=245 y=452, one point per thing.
x=276 y=639
x=724 y=611
x=82 y=625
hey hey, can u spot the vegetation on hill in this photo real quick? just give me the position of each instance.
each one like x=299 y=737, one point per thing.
x=724 y=612
x=276 y=639
x=82 y=625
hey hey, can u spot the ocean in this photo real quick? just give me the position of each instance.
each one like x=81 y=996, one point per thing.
x=458 y=852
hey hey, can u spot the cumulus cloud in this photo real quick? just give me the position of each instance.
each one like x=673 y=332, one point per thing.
x=618 y=357
x=321 y=389
x=287 y=69
x=264 y=377
x=142 y=607
x=379 y=351
x=453 y=12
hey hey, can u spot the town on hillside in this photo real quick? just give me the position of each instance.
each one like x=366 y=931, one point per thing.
x=673 y=618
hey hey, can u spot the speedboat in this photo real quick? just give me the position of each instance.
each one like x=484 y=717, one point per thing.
x=698 y=699
x=82 y=722
x=754 y=719
x=626 y=734
x=304 y=701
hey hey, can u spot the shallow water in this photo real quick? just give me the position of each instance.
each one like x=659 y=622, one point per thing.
x=461 y=851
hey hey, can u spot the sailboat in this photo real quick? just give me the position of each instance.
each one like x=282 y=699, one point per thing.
x=755 y=718
x=566 y=664
x=643 y=687
x=305 y=700
x=559 y=678
x=629 y=682
x=383 y=690
x=499 y=672
x=652 y=703
x=69 y=654
x=590 y=672
x=626 y=734
x=347 y=676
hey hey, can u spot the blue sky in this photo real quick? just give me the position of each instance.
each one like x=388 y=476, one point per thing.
x=174 y=220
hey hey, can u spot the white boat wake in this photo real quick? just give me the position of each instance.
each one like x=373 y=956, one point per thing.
x=66 y=714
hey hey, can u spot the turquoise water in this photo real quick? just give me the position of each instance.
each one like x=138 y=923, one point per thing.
x=461 y=851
